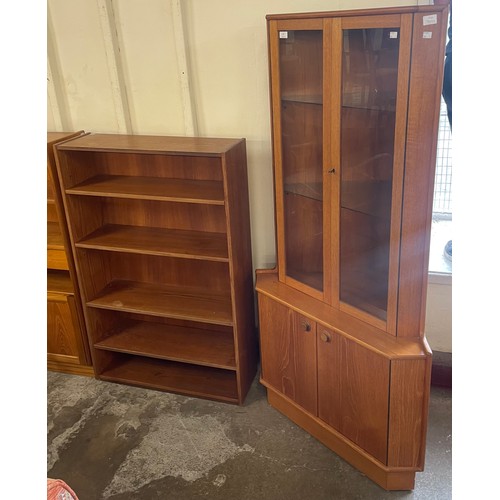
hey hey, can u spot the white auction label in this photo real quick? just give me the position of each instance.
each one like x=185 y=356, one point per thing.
x=431 y=19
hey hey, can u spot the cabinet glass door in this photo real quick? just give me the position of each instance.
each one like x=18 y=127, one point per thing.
x=368 y=117
x=301 y=110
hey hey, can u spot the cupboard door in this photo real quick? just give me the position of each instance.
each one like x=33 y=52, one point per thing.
x=297 y=79
x=353 y=391
x=288 y=353
x=373 y=71
x=63 y=330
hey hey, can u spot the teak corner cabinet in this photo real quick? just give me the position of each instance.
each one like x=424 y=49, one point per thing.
x=160 y=230
x=355 y=99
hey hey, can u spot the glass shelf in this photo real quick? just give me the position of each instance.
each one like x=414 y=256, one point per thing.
x=372 y=198
x=311 y=190
x=303 y=99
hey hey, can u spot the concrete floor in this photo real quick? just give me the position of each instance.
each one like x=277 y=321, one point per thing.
x=110 y=441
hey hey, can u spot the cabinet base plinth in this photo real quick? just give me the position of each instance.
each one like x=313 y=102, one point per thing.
x=389 y=478
x=70 y=368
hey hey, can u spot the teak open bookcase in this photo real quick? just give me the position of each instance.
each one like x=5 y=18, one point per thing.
x=160 y=231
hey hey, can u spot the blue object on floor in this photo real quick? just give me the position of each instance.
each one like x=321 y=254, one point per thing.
x=447 y=250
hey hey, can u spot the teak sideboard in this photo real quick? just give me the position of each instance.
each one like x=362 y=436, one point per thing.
x=160 y=230
x=67 y=344
x=355 y=98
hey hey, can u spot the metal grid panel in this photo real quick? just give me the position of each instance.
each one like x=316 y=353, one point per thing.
x=442 y=187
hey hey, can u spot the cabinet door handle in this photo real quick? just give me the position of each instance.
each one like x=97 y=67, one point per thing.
x=331 y=171
x=325 y=337
x=306 y=326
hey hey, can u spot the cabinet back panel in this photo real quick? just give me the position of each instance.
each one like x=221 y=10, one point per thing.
x=302 y=126
x=86 y=215
x=304 y=235
x=153 y=269
x=78 y=166
x=151 y=165
x=91 y=213
x=165 y=214
x=367 y=144
x=364 y=267
x=105 y=324
x=300 y=63
x=193 y=380
x=94 y=272
x=128 y=317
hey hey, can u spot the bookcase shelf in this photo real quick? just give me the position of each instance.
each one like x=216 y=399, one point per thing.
x=190 y=380
x=166 y=301
x=161 y=235
x=205 y=347
x=156 y=241
x=152 y=188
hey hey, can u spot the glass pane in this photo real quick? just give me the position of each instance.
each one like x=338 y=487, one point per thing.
x=369 y=84
x=301 y=73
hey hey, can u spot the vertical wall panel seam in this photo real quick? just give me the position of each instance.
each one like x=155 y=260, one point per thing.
x=53 y=100
x=56 y=94
x=112 y=49
x=188 y=108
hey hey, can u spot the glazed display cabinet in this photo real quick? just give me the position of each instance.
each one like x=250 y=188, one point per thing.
x=355 y=99
x=160 y=230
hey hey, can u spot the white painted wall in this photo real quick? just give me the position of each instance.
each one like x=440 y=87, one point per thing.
x=438 y=326
x=178 y=67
